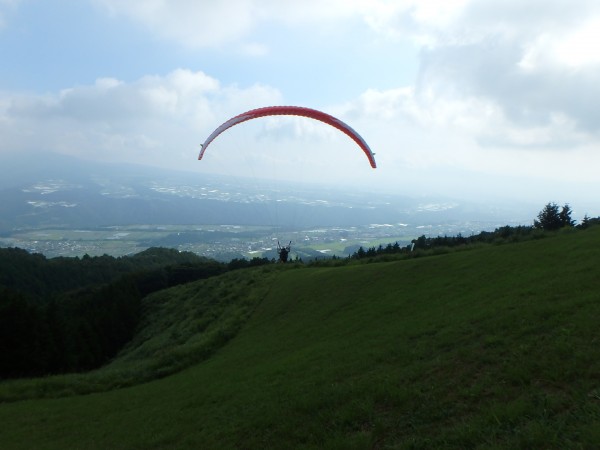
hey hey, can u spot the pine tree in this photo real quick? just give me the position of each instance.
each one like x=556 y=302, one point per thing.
x=551 y=218
x=565 y=216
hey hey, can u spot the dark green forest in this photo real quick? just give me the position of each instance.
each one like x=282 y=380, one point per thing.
x=74 y=314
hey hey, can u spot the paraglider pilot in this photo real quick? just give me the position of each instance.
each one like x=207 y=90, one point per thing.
x=283 y=252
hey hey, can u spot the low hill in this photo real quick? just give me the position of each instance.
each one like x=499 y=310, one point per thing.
x=64 y=315
x=39 y=277
x=496 y=347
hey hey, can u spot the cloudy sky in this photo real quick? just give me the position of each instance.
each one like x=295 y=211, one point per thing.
x=473 y=98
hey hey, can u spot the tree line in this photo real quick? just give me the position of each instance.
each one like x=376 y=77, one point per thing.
x=551 y=218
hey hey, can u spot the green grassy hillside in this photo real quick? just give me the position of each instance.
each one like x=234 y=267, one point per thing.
x=497 y=347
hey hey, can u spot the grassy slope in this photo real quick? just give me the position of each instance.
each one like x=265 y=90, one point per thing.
x=491 y=348
x=180 y=327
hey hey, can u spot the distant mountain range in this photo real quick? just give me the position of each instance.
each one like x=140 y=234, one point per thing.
x=63 y=192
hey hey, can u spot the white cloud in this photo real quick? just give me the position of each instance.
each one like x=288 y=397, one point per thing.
x=529 y=69
x=573 y=48
x=511 y=52
x=158 y=120
x=199 y=24
x=515 y=58
x=191 y=23
x=423 y=134
x=419 y=20
x=207 y=23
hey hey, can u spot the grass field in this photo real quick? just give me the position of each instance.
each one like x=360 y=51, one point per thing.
x=494 y=348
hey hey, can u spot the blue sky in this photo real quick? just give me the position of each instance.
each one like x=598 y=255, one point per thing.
x=469 y=98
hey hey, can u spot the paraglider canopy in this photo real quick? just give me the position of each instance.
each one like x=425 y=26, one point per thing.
x=292 y=111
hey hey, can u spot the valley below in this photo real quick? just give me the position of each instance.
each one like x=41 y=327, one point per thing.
x=74 y=208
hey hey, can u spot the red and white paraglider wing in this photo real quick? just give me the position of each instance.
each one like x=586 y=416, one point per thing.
x=292 y=111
